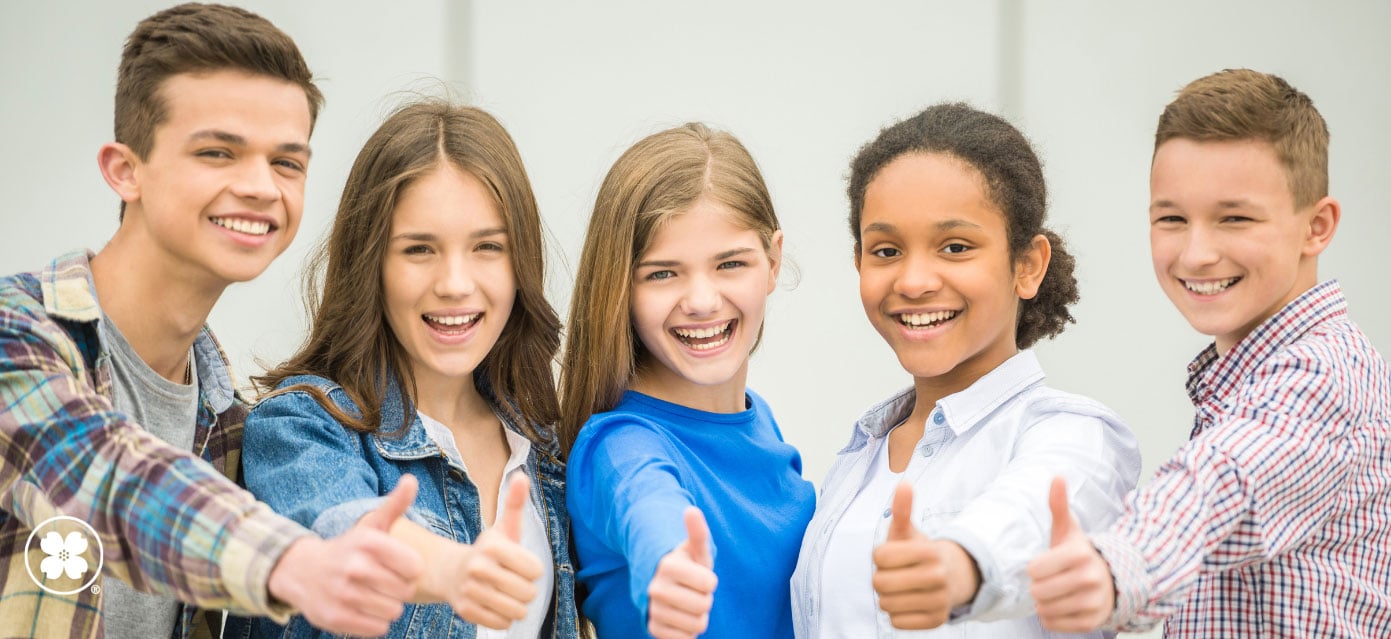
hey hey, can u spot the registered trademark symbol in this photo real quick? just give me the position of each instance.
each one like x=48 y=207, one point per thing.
x=96 y=590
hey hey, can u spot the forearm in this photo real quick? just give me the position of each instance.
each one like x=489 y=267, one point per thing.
x=192 y=534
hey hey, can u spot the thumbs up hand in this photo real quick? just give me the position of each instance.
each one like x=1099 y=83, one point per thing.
x=683 y=590
x=494 y=578
x=1072 y=586
x=918 y=579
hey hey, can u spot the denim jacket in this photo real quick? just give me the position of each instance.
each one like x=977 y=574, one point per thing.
x=310 y=468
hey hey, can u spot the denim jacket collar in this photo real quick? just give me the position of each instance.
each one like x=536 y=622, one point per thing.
x=415 y=442
x=963 y=410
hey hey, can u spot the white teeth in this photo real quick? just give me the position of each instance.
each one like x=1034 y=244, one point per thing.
x=1209 y=288
x=701 y=333
x=706 y=347
x=452 y=320
x=925 y=319
x=240 y=225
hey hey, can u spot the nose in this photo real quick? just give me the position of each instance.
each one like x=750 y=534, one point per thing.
x=918 y=275
x=256 y=181
x=1199 y=248
x=454 y=278
x=702 y=297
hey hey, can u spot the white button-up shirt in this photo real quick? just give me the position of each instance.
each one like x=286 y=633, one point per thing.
x=980 y=476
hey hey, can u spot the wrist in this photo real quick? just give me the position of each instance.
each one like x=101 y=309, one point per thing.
x=963 y=575
x=283 y=585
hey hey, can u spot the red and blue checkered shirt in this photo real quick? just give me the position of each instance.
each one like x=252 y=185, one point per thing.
x=170 y=521
x=1274 y=520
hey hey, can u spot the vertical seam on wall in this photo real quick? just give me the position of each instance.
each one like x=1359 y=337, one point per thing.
x=1010 y=58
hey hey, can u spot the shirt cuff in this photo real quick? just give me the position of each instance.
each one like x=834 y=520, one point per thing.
x=992 y=590
x=251 y=552
x=1130 y=577
x=336 y=520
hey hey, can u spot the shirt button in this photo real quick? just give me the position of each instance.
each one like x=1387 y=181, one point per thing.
x=929 y=450
x=938 y=418
x=887 y=512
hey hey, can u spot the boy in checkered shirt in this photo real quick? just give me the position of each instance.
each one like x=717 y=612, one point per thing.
x=1272 y=521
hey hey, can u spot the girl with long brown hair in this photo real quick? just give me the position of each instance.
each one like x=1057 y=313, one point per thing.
x=429 y=360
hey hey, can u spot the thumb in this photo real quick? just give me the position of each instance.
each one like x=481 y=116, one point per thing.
x=397 y=501
x=1063 y=523
x=698 y=538
x=510 y=523
x=901 y=526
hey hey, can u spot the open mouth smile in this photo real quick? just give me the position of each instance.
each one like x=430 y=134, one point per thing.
x=452 y=324
x=926 y=320
x=255 y=228
x=1210 y=287
x=704 y=339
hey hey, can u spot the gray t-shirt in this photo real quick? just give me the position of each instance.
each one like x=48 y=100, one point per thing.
x=169 y=411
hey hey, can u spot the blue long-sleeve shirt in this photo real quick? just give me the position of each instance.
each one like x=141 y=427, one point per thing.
x=631 y=475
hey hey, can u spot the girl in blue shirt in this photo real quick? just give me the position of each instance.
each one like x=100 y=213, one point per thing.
x=934 y=509
x=682 y=251
x=429 y=361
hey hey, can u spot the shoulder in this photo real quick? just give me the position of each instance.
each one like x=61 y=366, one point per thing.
x=298 y=396
x=1050 y=403
x=29 y=337
x=1332 y=365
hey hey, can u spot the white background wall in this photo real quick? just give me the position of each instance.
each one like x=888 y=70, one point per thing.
x=803 y=86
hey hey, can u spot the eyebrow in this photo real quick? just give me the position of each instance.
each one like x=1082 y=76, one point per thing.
x=724 y=255
x=431 y=237
x=1221 y=204
x=944 y=225
x=237 y=140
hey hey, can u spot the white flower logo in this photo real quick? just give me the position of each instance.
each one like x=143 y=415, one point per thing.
x=64 y=555
x=62 y=551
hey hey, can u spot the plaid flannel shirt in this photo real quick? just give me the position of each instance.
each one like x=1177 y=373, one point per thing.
x=168 y=522
x=1275 y=519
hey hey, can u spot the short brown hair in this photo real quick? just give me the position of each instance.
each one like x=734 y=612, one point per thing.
x=1241 y=104
x=192 y=38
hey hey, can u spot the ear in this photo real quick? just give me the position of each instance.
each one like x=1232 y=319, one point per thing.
x=1031 y=266
x=1322 y=225
x=118 y=165
x=857 y=257
x=775 y=257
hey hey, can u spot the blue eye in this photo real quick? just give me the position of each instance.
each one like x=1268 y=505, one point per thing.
x=659 y=275
x=731 y=264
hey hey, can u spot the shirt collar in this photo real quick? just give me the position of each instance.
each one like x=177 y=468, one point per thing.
x=1210 y=375
x=963 y=410
x=69 y=293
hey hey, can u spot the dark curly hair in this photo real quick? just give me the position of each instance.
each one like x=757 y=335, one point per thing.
x=1014 y=180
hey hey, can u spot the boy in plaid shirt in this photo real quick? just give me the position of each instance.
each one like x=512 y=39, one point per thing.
x=116 y=404
x=1272 y=520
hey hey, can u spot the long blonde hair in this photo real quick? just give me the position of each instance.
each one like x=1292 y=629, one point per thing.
x=659 y=177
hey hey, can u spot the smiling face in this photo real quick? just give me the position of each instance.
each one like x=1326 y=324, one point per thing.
x=936 y=276
x=222 y=190
x=698 y=297
x=447 y=276
x=1229 y=247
